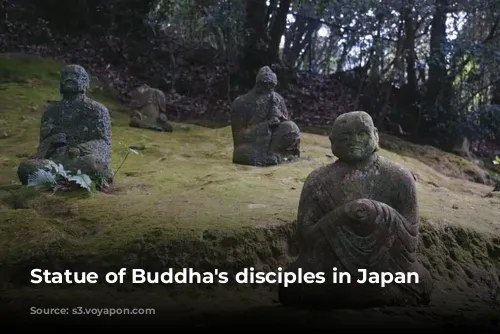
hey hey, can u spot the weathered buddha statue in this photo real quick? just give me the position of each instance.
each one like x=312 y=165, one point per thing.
x=75 y=132
x=358 y=213
x=263 y=134
x=149 y=105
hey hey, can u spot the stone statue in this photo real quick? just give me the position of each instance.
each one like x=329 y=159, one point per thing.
x=263 y=135
x=149 y=105
x=360 y=212
x=75 y=132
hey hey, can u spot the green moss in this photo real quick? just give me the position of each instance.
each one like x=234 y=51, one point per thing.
x=445 y=163
x=29 y=69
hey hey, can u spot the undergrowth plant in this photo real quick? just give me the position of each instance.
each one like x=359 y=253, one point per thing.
x=125 y=152
x=56 y=178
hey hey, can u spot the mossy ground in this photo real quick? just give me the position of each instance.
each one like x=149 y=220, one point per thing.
x=183 y=203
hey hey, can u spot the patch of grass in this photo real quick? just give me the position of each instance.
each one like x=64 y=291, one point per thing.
x=445 y=163
x=29 y=70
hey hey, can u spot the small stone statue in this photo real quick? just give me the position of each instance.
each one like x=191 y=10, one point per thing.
x=149 y=105
x=360 y=212
x=263 y=135
x=75 y=132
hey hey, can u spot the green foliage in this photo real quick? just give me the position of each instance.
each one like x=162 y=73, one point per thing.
x=56 y=178
x=218 y=23
x=481 y=123
x=75 y=16
x=27 y=69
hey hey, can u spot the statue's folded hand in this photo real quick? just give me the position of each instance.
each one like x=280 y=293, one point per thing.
x=360 y=209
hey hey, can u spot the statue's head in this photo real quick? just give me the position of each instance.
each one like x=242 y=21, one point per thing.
x=266 y=78
x=142 y=88
x=354 y=137
x=74 y=80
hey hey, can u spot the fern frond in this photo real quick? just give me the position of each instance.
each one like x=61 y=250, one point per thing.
x=59 y=170
x=83 y=180
x=42 y=177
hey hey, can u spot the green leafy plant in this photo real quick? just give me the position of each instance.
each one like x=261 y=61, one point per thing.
x=56 y=178
x=496 y=161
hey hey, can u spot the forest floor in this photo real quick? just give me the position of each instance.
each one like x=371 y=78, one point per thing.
x=181 y=203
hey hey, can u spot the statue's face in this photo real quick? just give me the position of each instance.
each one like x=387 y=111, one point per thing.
x=74 y=79
x=269 y=85
x=354 y=137
x=270 y=82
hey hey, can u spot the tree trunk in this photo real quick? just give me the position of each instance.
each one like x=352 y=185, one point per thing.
x=411 y=88
x=277 y=30
x=254 y=52
x=437 y=81
x=261 y=46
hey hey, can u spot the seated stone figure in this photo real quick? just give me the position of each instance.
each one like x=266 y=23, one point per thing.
x=75 y=132
x=263 y=135
x=361 y=212
x=149 y=105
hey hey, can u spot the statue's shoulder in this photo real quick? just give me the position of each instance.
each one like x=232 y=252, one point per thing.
x=318 y=175
x=277 y=96
x=240 y=101
x=278 y=100
x=94 y=105
x=97 y=111
x=397 y=172
x=157 y=91
x=52 y=108
x=314 y=183
x=52 y=105
x=243 y=97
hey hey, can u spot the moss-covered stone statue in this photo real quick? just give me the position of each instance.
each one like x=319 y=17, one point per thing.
x=263 y=134
x=359 y=213
x=149 y=105
x=75 y=132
